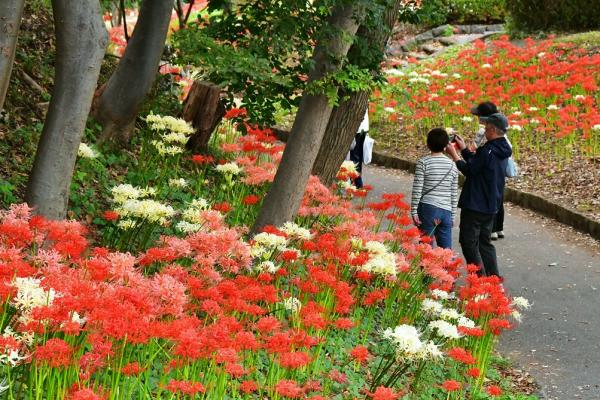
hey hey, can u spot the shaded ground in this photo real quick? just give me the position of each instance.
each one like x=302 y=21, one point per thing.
x=558 y=270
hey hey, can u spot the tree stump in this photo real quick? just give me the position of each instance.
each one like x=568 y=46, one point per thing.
x=204 y=109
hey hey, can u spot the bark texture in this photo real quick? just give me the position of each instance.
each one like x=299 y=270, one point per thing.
x=204 y=109
x=285 y=194
x=118 y=103
x=10 y=20
x=81 y=40
x=346 y=118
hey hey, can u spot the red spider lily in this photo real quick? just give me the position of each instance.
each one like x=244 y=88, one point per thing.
x=55 y=352
x=223 y=207
x=493 y=390
x=289 y=389
x=384 y=393
x=110 y=215
x=251 y=199
x=461 y=355
x=235 y=113
x=200 y=159
x=186 y=387
x=451 y=385
x=360 y=354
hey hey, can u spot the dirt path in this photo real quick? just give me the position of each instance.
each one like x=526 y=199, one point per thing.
x=558 y=270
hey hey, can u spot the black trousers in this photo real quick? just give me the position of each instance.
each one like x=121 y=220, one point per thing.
x=475 y=241
x=499 y=219
x=357 y=156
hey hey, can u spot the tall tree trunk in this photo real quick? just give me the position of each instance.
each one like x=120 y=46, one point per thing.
x=10 y=20
x=81 y=40
x=285 y=194
x=346 y=118
x=121 y=98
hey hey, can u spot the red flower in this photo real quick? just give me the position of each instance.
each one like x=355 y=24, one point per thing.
x=250 y=200
x=55 y=352
x=289 y=389
x=200 y=159
x=131 y=369
x=473 y=372
x=384 y=393
x=186 y=387
x=235 y=113
x=223 y=207
x=248 y=387
x=110 y=215
x=84 y=394
x=461 y=355
x=294 y=359
x=360 y=354
x=451 y=385
x=493 y=390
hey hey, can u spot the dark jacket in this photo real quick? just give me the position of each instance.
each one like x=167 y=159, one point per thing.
x=485 y=173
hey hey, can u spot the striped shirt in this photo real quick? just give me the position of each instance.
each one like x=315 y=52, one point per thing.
x=430 y=171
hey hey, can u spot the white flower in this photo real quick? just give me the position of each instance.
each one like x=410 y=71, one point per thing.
x=534 y=121
x=466 y=322
x=521 y=303
x=188 y=227
x=579 y=97
x=292 y=304
x=596 y=127
x=178 y=183
x=29 y=296
x=393 y=71
x=460 y=91
x=456 y=102
x=456 y=75
x=295 y=232
x=348 y=166
x=535 y=108
x=405 y=338
x=450 y=314
x=434 y=96
x=149 y=210
x=430 y=350
x=230 y=168
x=444 y=329
x=413 y=74
x=517 y=113
x=86 y=151
x=516 y=315
x=486 y=66
x=163 y=123
x=436 y=73
x=515 y=127
x=126 y=224
x=442 y=294
x=389 y=109
x=541 y=55
x=175 y=137
x=550 y=107
x=268 y=266
x=449 y=130
x=431 y=306
x=449 y=87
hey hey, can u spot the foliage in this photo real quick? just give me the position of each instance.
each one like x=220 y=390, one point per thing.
x=439 y=12
x=553 y=15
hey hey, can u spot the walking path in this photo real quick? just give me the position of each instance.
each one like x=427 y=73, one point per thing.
x=558 y=270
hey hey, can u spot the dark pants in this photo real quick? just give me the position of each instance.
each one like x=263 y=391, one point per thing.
x=475 y=241
x=499 y=220
x=436 y=222
x=356 y=156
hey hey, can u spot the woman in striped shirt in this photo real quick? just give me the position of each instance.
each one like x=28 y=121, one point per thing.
x=435 y=191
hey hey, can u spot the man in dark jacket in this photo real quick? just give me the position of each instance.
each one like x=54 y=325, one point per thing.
x=484 y=172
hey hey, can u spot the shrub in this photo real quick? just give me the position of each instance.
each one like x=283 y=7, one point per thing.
x=438 y=12
x=544 y=15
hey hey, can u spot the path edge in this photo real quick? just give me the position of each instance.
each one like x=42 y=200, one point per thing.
x=527 y=200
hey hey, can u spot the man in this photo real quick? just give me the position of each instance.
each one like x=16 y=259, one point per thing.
x=484 y=172
x=357 y=148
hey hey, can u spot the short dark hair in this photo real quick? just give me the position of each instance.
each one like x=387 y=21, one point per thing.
x=484 y=109
x=437 y=139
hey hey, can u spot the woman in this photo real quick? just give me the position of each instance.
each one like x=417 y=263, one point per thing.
x=435 y=191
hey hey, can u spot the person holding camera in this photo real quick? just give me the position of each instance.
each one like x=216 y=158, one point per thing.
x=435 y=191
x=481 y=196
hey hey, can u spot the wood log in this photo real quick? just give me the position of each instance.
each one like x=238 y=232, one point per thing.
x=204 y=109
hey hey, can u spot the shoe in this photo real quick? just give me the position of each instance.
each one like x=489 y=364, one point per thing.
x=500 y=234
x=494 y=236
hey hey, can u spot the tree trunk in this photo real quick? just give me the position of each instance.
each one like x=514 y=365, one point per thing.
x=204 y=109
x=118 y=103
x=10 y=19
x=81 y=40
x=346 y=118
x=285 y=194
